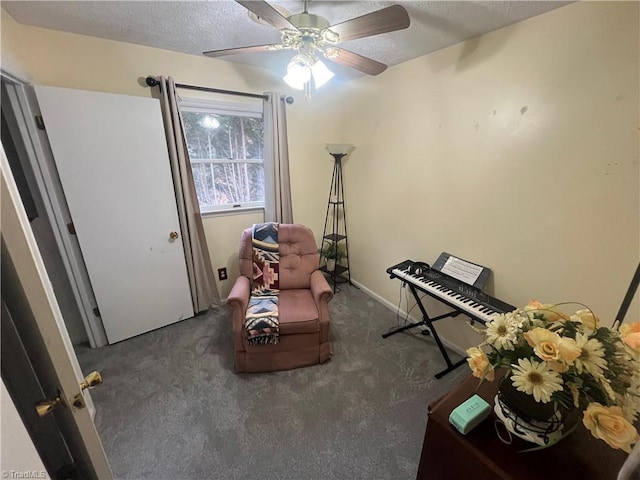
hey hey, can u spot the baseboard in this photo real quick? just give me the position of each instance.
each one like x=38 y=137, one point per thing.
x=403 y=314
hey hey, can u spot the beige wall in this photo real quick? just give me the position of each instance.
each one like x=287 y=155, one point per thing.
x=517 y=150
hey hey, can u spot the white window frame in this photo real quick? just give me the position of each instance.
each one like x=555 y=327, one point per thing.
x=239 y=109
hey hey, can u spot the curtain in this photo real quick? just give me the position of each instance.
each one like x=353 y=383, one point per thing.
x=204 y=291
x=278 y=206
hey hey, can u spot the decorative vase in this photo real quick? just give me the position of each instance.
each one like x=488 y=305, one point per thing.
x=535 y=422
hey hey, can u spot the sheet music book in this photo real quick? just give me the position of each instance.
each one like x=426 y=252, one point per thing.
x=463 y=270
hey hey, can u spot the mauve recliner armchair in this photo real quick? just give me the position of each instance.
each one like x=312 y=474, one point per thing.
x=302 y=305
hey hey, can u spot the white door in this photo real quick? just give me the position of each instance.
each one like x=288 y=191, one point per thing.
x=111 y=155
x=58 y=364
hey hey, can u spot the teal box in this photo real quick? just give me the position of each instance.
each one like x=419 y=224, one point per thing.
x=469 y=414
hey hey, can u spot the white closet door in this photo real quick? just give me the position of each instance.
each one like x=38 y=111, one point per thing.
x=111 y=155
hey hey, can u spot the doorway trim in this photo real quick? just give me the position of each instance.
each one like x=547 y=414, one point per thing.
x=24 y=106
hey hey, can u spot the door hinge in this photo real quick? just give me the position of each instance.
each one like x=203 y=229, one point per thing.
x=72 y=228
x=96 y=312
x=40 y=122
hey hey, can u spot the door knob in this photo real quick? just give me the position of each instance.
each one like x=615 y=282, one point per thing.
x=173 y=235
x=91 y=380
x=46 y=406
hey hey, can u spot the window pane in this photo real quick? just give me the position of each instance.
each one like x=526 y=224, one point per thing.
x=228 y=183
x=215 y=136
x=219 y=138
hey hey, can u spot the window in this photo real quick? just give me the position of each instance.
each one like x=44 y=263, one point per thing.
x=226 y=148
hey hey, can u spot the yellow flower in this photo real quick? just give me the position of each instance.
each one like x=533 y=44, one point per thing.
x=586 y=318
x=608 y=424
x=630 y=334
x=549 y=312
x=479 y=364
x=551 y=347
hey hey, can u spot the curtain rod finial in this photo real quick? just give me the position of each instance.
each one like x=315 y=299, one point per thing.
x=152 y=82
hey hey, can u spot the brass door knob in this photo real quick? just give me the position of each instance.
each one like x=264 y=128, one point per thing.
x=173 y=235
x=91 y=380
x=46 y=406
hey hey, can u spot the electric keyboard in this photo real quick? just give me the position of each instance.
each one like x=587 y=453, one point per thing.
x=465 y=298
x=455 y=282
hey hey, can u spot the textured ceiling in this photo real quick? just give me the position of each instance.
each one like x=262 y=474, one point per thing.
x=194 y=27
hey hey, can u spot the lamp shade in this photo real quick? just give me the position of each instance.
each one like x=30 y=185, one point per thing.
x=339 y=148
x=294 y=82
x=321 y=74
x=298 y=72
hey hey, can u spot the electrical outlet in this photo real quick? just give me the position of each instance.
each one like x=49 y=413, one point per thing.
x=222 y=274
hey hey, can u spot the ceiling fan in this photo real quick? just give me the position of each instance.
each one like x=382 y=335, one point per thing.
x=312 y=38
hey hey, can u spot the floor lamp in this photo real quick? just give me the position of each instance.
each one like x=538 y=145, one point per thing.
x=335 y=245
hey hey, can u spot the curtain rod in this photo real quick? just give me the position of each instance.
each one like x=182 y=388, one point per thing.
x=152 y=82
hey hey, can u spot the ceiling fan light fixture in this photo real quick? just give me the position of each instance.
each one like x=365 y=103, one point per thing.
x=321 y=74
x=293 y=82
x=298 y=72
x=331 y=52
x=312 y=36
x=329 y=36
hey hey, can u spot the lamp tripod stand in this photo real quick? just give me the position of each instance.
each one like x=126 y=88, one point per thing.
x=335 y=245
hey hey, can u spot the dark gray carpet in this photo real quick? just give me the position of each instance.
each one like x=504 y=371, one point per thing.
x=171 y=406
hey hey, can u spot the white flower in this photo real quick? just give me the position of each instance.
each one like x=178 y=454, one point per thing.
x=592 y=355
x=502 y=331
x=605 y=383
x=631 y=405
x=535 y=378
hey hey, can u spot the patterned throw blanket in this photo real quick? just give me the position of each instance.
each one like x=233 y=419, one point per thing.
x=261 y=320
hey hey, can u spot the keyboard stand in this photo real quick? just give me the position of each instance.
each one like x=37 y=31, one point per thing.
x=428 y=322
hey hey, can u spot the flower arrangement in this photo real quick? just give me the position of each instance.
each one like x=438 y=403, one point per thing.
x=570 y=360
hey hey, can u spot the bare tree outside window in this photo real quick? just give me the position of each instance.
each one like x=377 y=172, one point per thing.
x=227 y=158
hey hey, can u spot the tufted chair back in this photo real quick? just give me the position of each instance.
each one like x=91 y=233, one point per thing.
x=299 y=256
